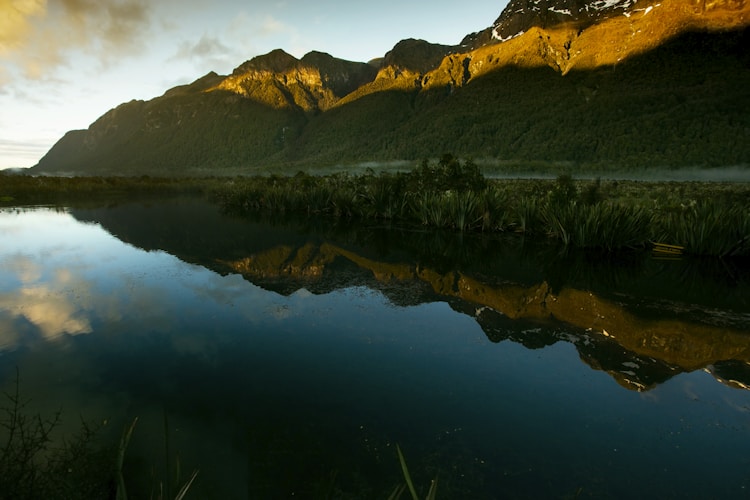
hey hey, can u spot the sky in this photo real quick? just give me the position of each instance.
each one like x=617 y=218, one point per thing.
x=64 y=63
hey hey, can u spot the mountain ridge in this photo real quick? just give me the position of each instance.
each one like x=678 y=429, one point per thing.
x=276 y=111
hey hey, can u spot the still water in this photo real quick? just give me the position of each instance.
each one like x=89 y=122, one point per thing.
x=287 y=360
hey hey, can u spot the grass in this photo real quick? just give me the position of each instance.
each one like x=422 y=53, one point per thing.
x=30 y=190
x=399 y=490
x=706 y=218
x=164 y=487
x=709 y=227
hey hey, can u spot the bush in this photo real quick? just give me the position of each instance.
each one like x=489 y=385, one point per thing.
x=31 y=468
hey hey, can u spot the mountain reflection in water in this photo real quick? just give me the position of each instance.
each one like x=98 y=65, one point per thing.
x=641 y=319
x=287 y=357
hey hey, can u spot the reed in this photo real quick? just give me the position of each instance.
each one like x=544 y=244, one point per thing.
x=164 y=487
x=399 y=490
x=705 y=218
x=708 y=227
x=607 y=226
x=493 y=210
x=429 y=209
x=463 y=209
x=529 y=215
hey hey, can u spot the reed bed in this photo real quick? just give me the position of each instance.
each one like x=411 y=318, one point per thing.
x=704 y=218
x=708 y=227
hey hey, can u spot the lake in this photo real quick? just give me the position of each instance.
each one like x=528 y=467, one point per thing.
x=288 y=359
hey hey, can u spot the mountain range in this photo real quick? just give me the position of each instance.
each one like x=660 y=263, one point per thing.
x=603 y=84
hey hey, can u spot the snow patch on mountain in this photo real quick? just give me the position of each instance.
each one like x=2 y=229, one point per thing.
x=610 y=4
x=497 y=35
x=520 y=15
x=560 y=11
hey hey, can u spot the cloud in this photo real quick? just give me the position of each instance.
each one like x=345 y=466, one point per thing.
x=15 y=21
x=39 y=36
x=45 y=306
x=242 y=37
x=208 y=51
x=244 y=25
x=252 y=34
x=271 y=26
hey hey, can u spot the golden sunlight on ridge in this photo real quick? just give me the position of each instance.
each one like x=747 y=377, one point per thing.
x=687 y=344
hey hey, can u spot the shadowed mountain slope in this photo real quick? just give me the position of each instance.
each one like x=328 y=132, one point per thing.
x=614 y=84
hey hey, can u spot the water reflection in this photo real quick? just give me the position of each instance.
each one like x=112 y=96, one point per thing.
x=640 y=319
x=290 y=358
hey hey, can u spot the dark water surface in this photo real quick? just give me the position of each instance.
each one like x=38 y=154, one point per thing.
x=287 y=360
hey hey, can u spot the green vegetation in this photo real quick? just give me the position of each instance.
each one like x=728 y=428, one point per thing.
x=164 y=488
x=431 y=494
x=681 y=105
x=30 y=190
x=704 y=218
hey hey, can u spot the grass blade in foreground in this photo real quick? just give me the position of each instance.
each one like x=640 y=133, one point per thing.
x=431 y=495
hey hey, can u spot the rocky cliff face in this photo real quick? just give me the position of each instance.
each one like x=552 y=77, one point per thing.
x=521 y=15
x=314 y=83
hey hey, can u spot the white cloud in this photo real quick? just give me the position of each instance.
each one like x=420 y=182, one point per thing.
x=209 y=53
x=38 y=37
x=16 y=17
x=253 y=35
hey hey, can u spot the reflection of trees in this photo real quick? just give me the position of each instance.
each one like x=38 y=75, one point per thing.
x=642 y=320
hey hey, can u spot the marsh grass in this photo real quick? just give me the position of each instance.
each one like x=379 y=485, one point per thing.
x=162 y=488
x=430 y=210
x=705 y=218
x=409 y=484
x=607 y=226
x=463 y=207
x=709 y=227
x=27 y=190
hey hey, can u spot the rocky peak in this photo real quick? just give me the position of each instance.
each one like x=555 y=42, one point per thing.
x=205 y=82
x=521 y=15
x=341 y=76
x=417 y=56
x=314 y=83
x=276 y=61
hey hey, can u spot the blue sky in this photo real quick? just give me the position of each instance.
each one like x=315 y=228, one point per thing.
x=64 y=63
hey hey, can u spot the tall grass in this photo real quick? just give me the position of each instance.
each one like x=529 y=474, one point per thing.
x=705 y=218
x=607 y=226
x=431 y=493
x=528 y=213
x=708 y=227
x=430 y=210
x=463 y=209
